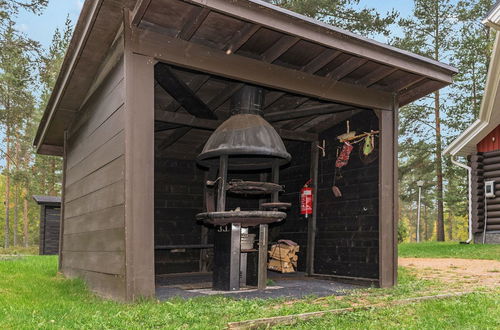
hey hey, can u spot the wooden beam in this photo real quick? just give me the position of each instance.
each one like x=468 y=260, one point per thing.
x=193 y=122
x=321 y=60
x=139 y=10
x=174 y=137
x=195 y=84
x=334 y=120
x=287 y=22
x=305 y=112
x=196 y=19
x=241 y=37
x=424 y=88
x=346 y=68
x=399 y=85
x=181 y=92
x=279 y=48
x=198 y=57
x=375 y=76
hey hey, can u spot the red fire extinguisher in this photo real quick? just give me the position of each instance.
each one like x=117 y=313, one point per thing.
x=306 y=199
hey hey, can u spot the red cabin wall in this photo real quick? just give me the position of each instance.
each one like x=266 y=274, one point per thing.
x=491 y=142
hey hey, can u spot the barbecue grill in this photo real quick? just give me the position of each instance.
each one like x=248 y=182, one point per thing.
x=244 y=142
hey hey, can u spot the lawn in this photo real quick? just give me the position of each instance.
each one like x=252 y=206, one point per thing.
x=449 y=250
x=33 y=295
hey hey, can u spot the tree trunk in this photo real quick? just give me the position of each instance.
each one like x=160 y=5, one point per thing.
x=16 y=214
x=52 y=176
x=25 y=223
x=450 y=226
x=7 y=191
x=439 y=170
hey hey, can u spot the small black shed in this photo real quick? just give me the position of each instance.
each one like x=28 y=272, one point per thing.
x=50 y=217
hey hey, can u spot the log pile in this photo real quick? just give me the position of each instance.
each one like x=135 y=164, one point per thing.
x=283 y=256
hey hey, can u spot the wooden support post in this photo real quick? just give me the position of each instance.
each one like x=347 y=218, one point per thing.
x=262 y=268
x=388 y=198
x=311 y=225
x=139 y=171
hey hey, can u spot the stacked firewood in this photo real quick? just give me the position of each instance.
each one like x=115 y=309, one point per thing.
x=283 y=256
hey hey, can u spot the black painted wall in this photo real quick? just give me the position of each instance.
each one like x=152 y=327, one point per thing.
x=178 y=198
x=293 y=177
x=347 y=227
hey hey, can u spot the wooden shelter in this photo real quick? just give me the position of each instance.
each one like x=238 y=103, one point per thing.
x=143 y=85
x=50 y=218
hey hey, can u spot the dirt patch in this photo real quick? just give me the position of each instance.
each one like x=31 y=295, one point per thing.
x=456 y=272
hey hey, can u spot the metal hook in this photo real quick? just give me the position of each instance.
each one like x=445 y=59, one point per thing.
x=323 y=148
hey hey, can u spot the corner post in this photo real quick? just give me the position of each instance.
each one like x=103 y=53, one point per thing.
x=139 y=170
x=311 y=225
x=388 y=196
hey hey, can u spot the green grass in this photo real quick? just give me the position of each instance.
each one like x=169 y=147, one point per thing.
x=473 y=311
x=20 y=250
x=449 y=250
x=33 y=295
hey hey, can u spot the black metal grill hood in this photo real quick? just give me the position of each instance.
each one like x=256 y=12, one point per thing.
x=247 y=138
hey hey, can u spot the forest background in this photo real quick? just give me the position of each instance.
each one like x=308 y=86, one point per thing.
x=445 y=30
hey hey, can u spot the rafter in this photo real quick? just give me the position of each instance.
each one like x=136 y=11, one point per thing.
x=346 y=68
x=279 y=48
x=241 y=37
x=195 y=20
x=181 y=92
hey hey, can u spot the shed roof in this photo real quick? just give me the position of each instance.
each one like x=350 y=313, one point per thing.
x=489 y=115
x=247 y=29
x=40 y=199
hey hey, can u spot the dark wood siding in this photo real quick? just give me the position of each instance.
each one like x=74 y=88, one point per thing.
x=94 y=233
x=49 y=229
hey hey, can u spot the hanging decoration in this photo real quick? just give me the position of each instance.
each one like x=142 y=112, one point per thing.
x=343 y=158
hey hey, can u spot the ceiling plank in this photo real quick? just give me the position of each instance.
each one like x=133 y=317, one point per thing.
x=194 y=122
x=375 y=76
x=279 y=48
x=195 y=20
x=181 y=92
x=241 y=37
x=305 y=112
x=333 y=120
x=346 y=68
x=321 y=60
x=287 y=22
x=198 y=57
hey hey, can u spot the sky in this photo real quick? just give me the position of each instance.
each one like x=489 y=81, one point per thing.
x=41 y=28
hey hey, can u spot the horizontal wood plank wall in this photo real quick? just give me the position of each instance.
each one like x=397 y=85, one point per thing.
x=347 y=228
x=94 y=227
x=485 y=167
x=51 y=229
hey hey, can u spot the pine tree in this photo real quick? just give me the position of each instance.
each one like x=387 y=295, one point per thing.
x=16 y=102
x=344 y=14
x=429 y=32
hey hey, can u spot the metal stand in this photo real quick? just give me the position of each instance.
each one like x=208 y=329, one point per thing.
x=227 y=244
